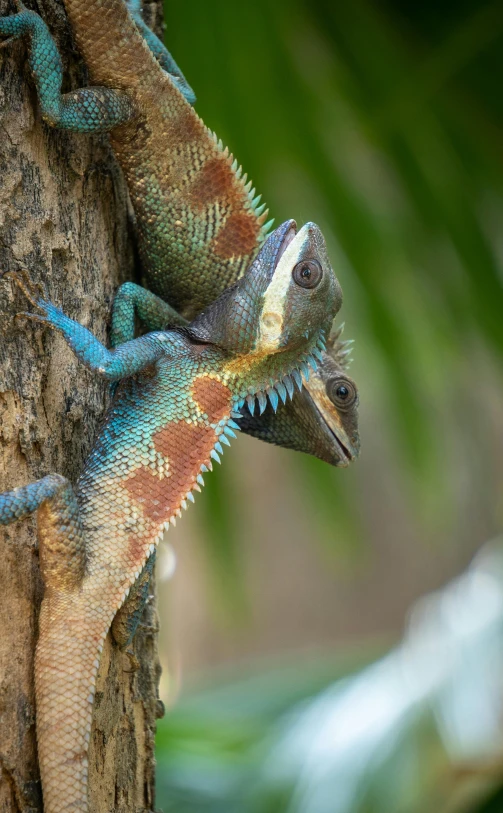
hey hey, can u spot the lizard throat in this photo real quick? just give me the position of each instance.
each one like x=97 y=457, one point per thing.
x=275 y=376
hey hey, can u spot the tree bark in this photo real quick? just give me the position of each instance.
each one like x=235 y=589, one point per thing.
x=63 y=216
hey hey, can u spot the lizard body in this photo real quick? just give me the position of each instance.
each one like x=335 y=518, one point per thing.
x=194 y=213
x=198 y=226
x=198 y=221
x=177 y=400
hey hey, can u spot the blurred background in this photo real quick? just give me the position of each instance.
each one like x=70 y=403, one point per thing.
x=286 y=685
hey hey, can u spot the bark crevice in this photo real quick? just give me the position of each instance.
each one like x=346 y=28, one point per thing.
x=64 y=217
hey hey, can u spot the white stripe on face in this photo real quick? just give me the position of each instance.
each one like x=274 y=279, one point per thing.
x=275 y=297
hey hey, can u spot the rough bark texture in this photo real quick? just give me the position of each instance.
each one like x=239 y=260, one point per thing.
x=63 y=216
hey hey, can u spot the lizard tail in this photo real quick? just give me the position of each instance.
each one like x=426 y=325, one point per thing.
x=66 y=666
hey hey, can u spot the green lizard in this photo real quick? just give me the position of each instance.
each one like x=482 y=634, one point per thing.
x=198 y=221
x=179 y=397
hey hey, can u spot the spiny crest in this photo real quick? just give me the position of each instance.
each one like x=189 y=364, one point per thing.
x=260 y=210
x=225 y=429
x=338 y=349
x=285 y=387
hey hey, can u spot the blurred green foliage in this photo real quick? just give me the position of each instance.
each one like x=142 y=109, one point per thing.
x=211 y=748
x=417 y=730
x=382 y=122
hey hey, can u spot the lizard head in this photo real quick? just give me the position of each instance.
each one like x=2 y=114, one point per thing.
x=302 y=295
x=322 y=419
x=332 y=396
x=288 y=295
x=272 y=323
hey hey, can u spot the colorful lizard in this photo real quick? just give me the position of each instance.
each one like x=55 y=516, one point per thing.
x=178 y=400
x=198 y=221
x=198 y=226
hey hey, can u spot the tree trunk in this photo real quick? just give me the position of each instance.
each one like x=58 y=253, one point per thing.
x=63 y=216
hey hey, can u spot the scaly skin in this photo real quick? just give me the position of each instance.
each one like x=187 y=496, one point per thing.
x=197 y=220
x=332 y=421
x=178 y=397
x=179 y=178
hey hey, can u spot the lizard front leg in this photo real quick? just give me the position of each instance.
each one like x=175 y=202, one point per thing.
x=126 y=360
x=134 y=301
x=87 y=110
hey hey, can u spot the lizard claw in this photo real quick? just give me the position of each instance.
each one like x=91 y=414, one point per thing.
x=34 y=317
x=33 y=291
x=133 y=661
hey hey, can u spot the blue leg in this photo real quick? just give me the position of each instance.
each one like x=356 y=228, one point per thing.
x=62 y=547
x=23 y=501
x=134 y=301
x=160 y=52
x=88 y=110
x=113 y=365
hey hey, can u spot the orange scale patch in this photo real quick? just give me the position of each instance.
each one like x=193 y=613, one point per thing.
x=136 y=549
x=212 y=397
x=215 y=181
x=238 y=236
x=185 y=447
x=187 y=127
x=146 y=489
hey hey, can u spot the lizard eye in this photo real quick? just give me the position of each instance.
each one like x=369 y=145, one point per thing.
x=307 y=273
x=341 y=392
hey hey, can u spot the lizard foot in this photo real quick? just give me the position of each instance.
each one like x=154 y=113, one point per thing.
x=133 y=661
x=33 y=291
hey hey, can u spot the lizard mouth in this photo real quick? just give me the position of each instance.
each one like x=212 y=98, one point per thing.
x=287 y=239
x=344 y=449
x=346 y=455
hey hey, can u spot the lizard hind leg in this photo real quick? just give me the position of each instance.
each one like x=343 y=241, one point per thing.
x=87 y=110
x=160 y=52
x=61 y=539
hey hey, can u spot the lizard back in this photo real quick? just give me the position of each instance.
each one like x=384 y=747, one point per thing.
x=160 y=430
x=196 y=215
